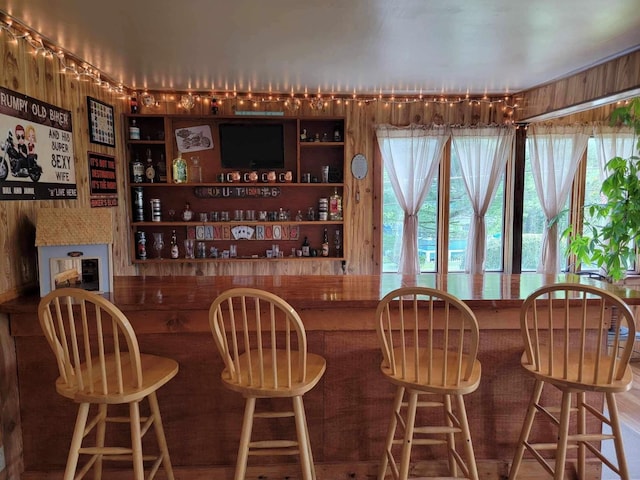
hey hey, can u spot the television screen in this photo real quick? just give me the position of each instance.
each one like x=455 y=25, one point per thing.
x=252 y=146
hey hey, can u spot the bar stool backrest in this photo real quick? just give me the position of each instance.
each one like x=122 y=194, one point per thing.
x=575 y=319
x=254 y=324
x=427 y=336
x=93 y=341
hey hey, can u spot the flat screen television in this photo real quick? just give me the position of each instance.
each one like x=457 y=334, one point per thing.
x=251 y=145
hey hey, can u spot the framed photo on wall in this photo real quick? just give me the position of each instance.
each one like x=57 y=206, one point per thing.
x=101 y=123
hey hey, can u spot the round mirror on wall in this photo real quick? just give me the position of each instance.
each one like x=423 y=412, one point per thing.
x=359 y=166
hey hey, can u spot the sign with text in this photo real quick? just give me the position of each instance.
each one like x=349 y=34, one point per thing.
x=36 y=149
x=102 y=180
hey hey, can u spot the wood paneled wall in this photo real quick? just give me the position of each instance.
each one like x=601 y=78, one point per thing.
x=584 y=89
x=41 y=78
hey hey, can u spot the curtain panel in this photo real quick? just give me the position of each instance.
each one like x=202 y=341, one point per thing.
x=411 y=156
x=555 y=152
x=483 y=153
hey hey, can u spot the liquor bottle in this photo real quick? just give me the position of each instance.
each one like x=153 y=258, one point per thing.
x=133 y=103
x=325 y=243
x=337 y=136
x=150 y=169
x=337 y=242
x=137 y=170
x=305 y=247
x=179 y=169
x=161 y=169
x=134 y=130
x=335 y=206
x=174 y=245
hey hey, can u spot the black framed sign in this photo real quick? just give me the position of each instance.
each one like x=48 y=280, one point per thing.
x=101 y=125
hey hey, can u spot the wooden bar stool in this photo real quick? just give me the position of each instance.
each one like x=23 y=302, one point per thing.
x=264 y=347
x=429 y=343
x=100 y=364
x=564 y=328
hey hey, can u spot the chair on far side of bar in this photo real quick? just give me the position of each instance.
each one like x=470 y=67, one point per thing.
x=263 y=344
x=564 y=328
x=429 y=342
x=100 y=364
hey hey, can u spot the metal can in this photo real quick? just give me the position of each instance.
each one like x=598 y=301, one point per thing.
x=141 y=246
x=138 y=205
x=156 y=210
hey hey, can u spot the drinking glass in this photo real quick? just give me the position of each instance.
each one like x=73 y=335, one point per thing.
x=188 y=248
x=158 y=243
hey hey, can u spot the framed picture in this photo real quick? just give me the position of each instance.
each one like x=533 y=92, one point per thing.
x=101 y=125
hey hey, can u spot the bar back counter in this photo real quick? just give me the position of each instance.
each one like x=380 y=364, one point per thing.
x=347 y=412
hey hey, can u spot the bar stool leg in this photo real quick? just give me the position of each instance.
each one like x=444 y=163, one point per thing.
x=136 y=440
x=245 y=438
x=563 y=434
x=526 y=429
x=408 y=435
x=159 y=429
x=614 y=418
x=391 y=433
x=303 y=443
x=101 y=429
x=76 y=441
x=582 y=429
x=466 y=432
x=451 y=436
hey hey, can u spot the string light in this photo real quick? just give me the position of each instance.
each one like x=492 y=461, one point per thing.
x=292 y=101
x=68 y=63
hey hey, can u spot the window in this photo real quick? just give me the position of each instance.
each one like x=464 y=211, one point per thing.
x=458 y=220
x=393 y=219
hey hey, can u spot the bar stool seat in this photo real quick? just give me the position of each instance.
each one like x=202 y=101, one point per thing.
x=263 y=344
x=429 y=342
x=564 y=328
x=100 y=363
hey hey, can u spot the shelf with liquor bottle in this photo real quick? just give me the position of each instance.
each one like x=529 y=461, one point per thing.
x=257 y=211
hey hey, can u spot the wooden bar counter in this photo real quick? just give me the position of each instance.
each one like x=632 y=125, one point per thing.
x=347 y=412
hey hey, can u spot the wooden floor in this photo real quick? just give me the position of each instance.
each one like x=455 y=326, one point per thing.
x=629 y=402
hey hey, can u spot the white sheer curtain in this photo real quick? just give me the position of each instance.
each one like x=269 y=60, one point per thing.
x=483 y=153
x=556 y=151
x=612 y=141
x=411 y=157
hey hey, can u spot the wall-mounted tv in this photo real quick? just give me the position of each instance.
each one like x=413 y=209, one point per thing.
x=252 y=145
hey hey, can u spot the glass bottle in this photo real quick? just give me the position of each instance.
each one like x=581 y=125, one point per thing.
x=174 y=252
x=179 y=169
x=161 y=169
x=150 y=169
x=137 y=170
x=305 y=247
x=335 y=206
x=325 y=243
x=195 y=170
x=187 y=213
x=337 y=242
x=133 y=103
x=134 y=130
x=337 y=136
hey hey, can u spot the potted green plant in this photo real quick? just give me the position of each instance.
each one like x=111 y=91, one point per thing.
x=611 y=235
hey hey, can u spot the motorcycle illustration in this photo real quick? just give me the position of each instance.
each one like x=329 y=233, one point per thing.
x=18 y=164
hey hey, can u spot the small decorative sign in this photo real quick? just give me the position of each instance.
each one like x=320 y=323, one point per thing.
x=194 y=139
x=244 y=232
x=102 y=180
x=236 y=192
x=101 y=123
